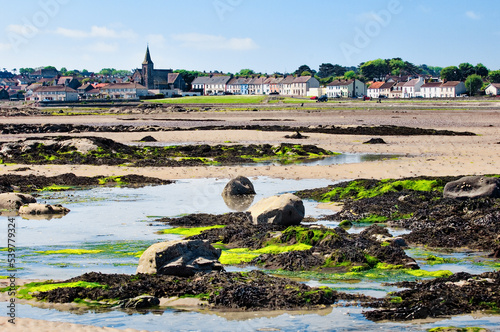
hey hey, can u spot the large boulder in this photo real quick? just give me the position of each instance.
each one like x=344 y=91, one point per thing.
x=472 y=187
x=183 y=258
x=239 y=186
x=13 y=201
x=37 y=209
x=287 y=210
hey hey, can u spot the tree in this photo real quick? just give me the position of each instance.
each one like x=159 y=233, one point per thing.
x=397 y=66
x=349 y=75
x=481 y=70
x=494 y=76
x=63 y=70
x=327 y=70
x=375 y=69
x=302 y=69
x=451 y=73
x=26 y=71
x=245 y=72
x=473 y=83
x=466 y=69
x=306 y=73
x=50 y=68
x=85 y=72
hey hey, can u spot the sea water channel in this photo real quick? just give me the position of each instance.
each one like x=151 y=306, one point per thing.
x=108 y=228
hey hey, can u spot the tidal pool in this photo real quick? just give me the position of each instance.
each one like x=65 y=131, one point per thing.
x=108 y=228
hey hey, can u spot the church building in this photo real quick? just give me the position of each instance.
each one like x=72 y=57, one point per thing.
x=157 y=79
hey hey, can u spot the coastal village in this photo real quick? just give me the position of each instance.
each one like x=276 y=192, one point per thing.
x=50 y=85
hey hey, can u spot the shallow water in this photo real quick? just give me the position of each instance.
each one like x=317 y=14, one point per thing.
x=119 y=222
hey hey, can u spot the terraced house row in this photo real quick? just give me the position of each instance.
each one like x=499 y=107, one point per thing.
x=288 y=86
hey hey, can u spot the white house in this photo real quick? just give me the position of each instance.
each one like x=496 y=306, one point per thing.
x=452 y=89
x=346 y=88
x=216 y=85
x=199 y=82
x=380 y=89
x=431 y=90
x=493 y=89
x=54 y=93
x=411 y=89
x=124 y=91
x=301 y=85
x=286 y=85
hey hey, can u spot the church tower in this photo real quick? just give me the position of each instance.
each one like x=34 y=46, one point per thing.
x=147 y=71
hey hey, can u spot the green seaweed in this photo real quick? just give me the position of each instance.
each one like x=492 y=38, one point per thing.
x=26 y=291
x=244 y=255
x=191 y=231
x=359 y=189
x=68 y=252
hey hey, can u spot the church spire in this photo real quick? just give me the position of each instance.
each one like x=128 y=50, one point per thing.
x=147 y=58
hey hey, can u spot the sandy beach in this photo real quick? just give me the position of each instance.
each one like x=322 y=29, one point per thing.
x=416 y=155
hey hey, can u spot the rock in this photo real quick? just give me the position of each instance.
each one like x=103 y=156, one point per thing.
x=297 y=135
x=148 y=139
x=183 y=258
x=473 y=187
x=13 y=201
x=398 y=241
x=37 y=208
x=140 y=302
x=375 y=141
x=239 y=186
x=286 y=209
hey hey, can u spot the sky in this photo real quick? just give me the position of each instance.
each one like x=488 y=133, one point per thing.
x=229 y=35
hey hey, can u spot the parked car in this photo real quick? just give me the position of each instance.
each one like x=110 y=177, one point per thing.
x=322 y=99
x=314 y=97
x=274 y=93
x=365 y=98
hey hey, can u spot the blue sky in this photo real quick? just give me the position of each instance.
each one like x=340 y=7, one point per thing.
x=263 y=35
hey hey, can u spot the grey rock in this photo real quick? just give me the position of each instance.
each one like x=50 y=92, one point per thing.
x=37 y=209
x=239 y=186
x=13 y=201
x=287 y=210
x=140 y=302
x=183 y=258
x=473 y=187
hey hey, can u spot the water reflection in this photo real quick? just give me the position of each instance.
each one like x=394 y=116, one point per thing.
x=238 y=203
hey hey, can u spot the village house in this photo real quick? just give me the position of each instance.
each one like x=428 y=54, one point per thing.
x=286 y=85
x=346 y=89
x=452 y=89
x=124 y=91
x=373 y=90
x=255 y=86
x=68 y=81
x=216 y=85
x=302 y=84
x=54 y=93
x=431 y=90
x=397 y=90
x=274 y=85
x=411 y=89
x=44 y=73
x=493 y=89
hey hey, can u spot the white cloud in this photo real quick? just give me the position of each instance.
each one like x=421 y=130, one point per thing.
x=205 y=42
x=102 y=47
x=472 y=15
x=22 y=30
x=5 y=47
x=96 y=32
